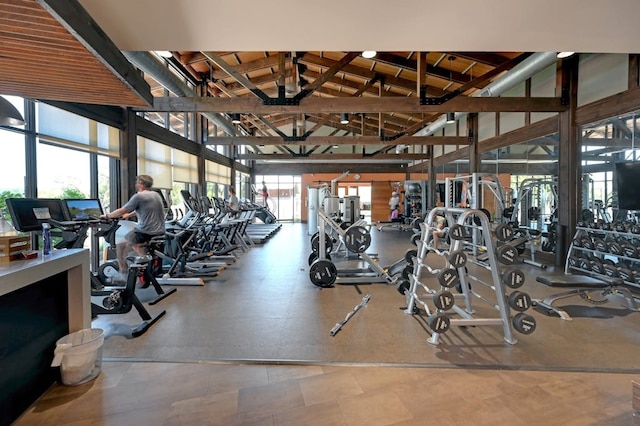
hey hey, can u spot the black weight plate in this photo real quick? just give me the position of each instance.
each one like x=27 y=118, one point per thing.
x=478 y=221
x=519 y=301
x=597 y=267
x=357 y=239
x=524 y=323
x=610 y=270
x=409 y=255
x=584 y=264
x=629 y=250
x=588 y=243
x=448 y=278
x=443 y=300
x=626 y=274
x=315 y=243
x=513 y=278
x=439 y=323
x=507 y=254
x=504 y=232
x=403 y=286
x=414 y=239
x=456 y=232
x=408 y=270
x=615 y=248
x=601 y=245
x=323 y=273
x=573 y=261
x=458 y=259
x=314 y=256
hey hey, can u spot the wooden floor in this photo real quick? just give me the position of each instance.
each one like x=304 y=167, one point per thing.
x=253 y=348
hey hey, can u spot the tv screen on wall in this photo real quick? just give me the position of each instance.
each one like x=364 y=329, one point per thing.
x=628 y=180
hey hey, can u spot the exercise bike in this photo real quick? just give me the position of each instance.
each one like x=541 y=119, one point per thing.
x=120 y=300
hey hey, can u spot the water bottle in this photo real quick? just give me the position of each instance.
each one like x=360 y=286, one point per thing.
x=46 y=238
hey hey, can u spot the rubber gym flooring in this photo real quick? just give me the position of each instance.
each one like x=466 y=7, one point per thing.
x=265 y=308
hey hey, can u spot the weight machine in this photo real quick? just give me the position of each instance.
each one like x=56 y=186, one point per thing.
x=357 y=239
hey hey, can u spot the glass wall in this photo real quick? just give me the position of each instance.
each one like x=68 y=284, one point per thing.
x=604 y=145
x=12 y=164
x=285 y=200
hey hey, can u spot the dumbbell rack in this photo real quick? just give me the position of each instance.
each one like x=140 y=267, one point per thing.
x=455 y=274
x=592 y=252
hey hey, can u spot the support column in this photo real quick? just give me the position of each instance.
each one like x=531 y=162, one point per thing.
x=569 y=166
x=128 y=156
x=472 y=132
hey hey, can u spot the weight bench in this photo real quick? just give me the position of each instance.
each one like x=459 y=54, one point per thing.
x=583 y=286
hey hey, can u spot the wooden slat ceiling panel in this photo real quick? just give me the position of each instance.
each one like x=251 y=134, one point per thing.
x=40 y=59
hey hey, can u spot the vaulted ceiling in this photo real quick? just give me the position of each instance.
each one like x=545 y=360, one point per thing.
x=290 y=101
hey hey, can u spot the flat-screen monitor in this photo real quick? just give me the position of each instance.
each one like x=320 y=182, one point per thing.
x=83 y=209
x=627 y=177
x=28 y=214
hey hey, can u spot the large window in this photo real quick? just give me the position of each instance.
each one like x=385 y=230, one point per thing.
x=285 y=200
x=12 y=164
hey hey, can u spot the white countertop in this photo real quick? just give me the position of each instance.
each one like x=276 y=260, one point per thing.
x=20 y=273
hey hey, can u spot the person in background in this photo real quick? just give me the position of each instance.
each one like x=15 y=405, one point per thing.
x=438 y=232
x=265 y=194
x=147 y=205
x=394 y=201
x=395 y=214
x=234 y=204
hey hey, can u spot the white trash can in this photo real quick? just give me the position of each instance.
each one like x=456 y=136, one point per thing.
x=79 y=356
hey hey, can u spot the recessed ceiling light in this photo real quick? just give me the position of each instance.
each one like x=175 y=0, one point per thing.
x=369 y=54
x=163 y=53
x=562 y=55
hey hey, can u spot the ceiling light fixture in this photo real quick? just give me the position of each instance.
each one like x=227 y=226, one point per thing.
x=562 y=55
x=368 y=54
x=9 y=115
x=163 y=53
x=344 y=118
x=451 y=117
x=235 y=118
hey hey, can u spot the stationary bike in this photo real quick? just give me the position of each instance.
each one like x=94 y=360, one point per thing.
x=105 y=298
x=120 y=300
x=153 y=266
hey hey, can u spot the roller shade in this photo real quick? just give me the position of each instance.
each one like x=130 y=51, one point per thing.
x=154 y=159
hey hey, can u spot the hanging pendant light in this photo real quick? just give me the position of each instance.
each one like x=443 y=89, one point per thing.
x=9 y=115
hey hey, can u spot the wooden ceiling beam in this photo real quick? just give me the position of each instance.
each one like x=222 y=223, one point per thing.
x=360 y=104
x=339 y=140
x=329 y=157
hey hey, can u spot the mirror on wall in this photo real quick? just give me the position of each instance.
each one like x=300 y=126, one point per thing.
x=610 y=170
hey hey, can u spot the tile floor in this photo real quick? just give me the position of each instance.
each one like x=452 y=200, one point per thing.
x=252 y=347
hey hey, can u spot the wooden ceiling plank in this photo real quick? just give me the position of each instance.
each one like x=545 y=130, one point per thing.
x=71 y=15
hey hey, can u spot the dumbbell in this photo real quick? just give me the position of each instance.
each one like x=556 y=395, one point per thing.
x=519 y=301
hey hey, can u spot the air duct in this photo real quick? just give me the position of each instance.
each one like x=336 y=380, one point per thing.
x=524 y=70
x=158 y=71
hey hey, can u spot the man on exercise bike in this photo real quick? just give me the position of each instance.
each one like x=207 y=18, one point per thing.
x=148 y=207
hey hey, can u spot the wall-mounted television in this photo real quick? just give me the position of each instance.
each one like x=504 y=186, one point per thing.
x=628 y=180
x=28 y=214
